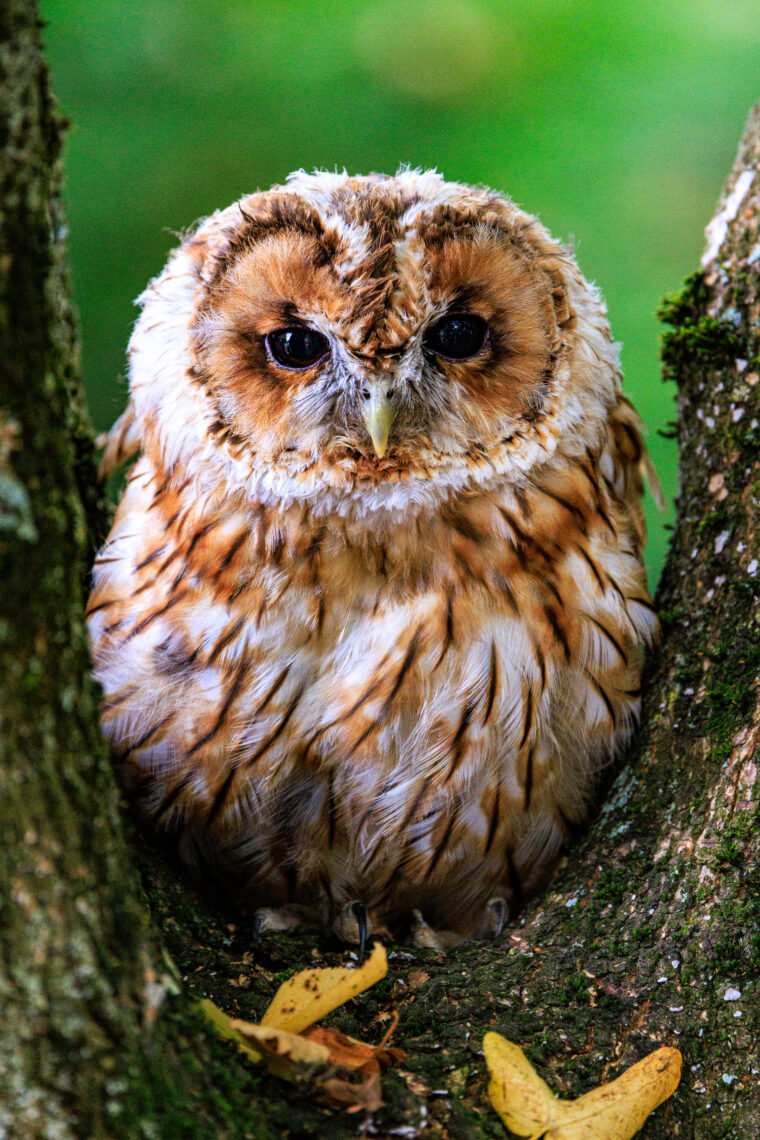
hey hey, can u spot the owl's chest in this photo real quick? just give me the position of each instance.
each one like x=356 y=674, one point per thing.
x=433 y=675
x=240 y=658
x=345 y=713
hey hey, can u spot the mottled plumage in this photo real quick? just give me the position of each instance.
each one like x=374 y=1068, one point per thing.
x=336 y=675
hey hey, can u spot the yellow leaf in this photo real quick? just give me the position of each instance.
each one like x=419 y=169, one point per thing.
x=299 y=1002
x=615 y=1111
x=308 y=996
x=223 y=1025
x=283 y=1052
x=521 y=1098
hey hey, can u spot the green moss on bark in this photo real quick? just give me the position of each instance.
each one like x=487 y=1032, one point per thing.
x=696 y=337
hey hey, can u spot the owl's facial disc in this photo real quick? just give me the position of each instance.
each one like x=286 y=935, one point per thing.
x=373 y=337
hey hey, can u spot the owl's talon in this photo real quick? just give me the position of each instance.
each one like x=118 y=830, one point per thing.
x=267 y=919
x=360 y=913
x=496 y=915
x=425 y=938
x=353 y=924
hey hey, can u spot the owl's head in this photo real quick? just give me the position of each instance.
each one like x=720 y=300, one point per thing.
x=370 y=345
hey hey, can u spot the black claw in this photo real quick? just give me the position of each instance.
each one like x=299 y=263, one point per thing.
x=499 y=912
x=359 y=912
x=258 y=923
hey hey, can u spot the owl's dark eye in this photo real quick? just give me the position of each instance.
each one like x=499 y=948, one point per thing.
x=457 y=336
x=297 y=347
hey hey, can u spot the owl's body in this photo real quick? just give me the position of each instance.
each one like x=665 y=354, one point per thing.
x=376 y=656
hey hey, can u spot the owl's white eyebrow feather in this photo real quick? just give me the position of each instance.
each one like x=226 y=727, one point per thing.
x=355 y=240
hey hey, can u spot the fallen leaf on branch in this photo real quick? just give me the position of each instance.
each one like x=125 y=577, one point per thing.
x=342 y=1050
x=615 y=1111
x=337 y=1092
x=308 y=996
x=283 y=1052
x=222 y=1023
x=288 y=1052
x=363 y=1062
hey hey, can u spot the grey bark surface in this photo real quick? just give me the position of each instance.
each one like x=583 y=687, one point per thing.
x=646 y=936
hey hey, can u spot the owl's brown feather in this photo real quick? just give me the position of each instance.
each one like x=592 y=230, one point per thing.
x=340 y=676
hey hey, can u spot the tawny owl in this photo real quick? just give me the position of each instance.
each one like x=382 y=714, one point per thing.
x=369 y=622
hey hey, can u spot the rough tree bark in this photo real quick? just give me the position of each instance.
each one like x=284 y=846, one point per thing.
x=80 y=978
x=651 y=933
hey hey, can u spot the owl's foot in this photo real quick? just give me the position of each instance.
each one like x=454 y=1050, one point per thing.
x=268 y=918
x=353 y=924
x=425 y=938
x=494 y=917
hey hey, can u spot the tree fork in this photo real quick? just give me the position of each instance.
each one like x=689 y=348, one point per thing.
x=646 y=936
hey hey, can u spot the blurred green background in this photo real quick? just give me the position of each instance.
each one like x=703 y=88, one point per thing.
x=614 y=121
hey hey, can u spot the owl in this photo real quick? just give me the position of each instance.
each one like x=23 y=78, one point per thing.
x=369 y=623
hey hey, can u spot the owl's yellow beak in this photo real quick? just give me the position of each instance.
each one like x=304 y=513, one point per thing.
x=378 y=413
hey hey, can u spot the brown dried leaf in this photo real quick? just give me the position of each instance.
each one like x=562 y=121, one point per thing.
x=342 y=1050
x=353 y=1054
x=337 y=1092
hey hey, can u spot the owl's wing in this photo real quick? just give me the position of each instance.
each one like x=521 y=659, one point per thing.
x=626 y=462
x=119 y=444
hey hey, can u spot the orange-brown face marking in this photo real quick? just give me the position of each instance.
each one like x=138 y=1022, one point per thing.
x=486 y=275
x=273 y=285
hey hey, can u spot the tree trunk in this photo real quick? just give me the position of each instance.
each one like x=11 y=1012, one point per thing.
x=80 y=979
x=650 y=934
x=73 y=951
